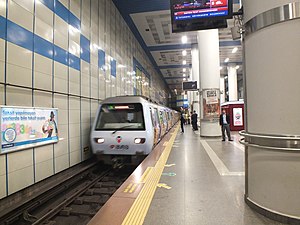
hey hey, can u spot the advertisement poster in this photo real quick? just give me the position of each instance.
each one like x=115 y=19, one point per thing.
x=237 y=116
x=23 y=127
x=211 y=104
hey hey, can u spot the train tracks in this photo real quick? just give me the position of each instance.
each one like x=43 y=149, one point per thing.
x=74 y=201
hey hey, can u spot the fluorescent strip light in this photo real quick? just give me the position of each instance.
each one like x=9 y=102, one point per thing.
x=234 y=50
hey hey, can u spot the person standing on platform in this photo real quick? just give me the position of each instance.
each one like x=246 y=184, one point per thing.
x=194 y=120
x=182 y=120
x=225 y=125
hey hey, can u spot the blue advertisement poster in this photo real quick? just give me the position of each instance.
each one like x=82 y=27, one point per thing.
x=24 y=127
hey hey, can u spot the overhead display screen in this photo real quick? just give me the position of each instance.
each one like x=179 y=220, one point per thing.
x=199 y=14
x=186 y=10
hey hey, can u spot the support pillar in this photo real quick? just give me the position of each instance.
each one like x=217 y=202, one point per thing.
x=232 y=83
x=272 y=132
x=208 y=44
x=222 y=89
x=195 y=74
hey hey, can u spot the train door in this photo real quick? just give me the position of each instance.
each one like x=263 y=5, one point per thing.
x=166 y=120
x=162 y=122
x=158 y=124
x=155 y=126
x=169 y=120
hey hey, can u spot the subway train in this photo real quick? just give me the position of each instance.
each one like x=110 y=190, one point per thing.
x=127 y=128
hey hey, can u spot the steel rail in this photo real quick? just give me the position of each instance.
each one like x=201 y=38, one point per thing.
x=68 y=201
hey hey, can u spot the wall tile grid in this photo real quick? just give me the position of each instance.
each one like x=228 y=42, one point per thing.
x=57 y=54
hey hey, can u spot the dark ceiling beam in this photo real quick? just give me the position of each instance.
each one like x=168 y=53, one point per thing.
x=126 y=16
x=188 y=46
x=169 y=78
x=236 y=63
x=175 y=66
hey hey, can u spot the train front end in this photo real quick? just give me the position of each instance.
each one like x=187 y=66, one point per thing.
x=120 y=133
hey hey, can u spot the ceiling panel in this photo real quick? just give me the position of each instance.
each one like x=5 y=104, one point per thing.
x=165 y=47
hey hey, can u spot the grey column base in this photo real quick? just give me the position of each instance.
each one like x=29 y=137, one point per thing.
x=271 y=214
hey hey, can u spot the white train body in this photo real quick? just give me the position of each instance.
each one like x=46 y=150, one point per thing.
x=129 y=126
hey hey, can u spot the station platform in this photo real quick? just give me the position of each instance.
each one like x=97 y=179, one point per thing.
x=186 y=180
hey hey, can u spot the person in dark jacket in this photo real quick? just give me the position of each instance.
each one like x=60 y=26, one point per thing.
x=225 y=125
x=182 y=121
x=194 y=120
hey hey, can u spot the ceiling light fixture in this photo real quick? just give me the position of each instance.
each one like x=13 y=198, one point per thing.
x=184 y=62
x=234 y=50
x=184 y=70
x=237 y=67
x=184 y=79
x=184 y=39
x=184 y=75
x=226 y=60
x=184 y=53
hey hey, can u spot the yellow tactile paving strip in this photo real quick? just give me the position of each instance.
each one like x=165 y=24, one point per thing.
x=139 y=209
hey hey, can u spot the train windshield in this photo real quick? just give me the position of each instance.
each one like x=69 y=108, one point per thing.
x=121 y=117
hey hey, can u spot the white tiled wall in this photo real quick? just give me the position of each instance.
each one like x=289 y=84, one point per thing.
x=2 y=51
x=85 y=79
x=43 y=162
x=60 y=78
x=20 y=15
x=2 y=8
x=61 y=150
x=18 y=96
x=43 y=29
x=2 y=176
x=61 y=33
x=2 y=94
x=20 y=170
x=34 y=80
x=75 y=7
x=42 y=99
x=19 y=65
x=44 y=14
x=74 y=130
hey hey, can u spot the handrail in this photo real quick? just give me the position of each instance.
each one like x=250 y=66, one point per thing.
x=273 y=16
x=245 y=143
x=271 y=142
x=281 y=137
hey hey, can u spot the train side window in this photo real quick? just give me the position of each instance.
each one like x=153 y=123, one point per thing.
x=152 y=117
x=161 y=119
x=166 y=116
x=157 y=116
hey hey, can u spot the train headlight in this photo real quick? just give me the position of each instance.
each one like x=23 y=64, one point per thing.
x=99 y=140
x=139 y=140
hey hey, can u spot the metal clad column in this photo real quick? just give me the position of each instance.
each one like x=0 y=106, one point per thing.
x=195 y=73
x=232 y=83
x=208 y=44
x=272 y=136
